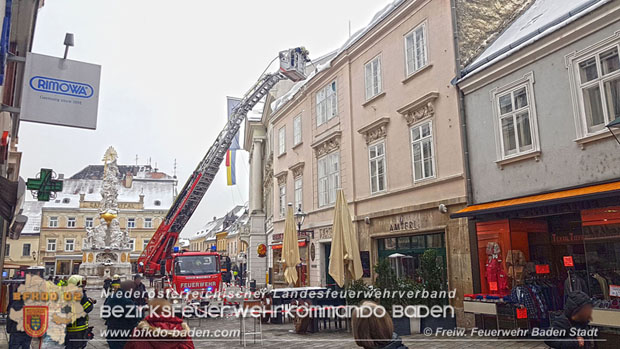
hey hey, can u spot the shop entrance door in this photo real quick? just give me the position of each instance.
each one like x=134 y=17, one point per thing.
x=329 y=281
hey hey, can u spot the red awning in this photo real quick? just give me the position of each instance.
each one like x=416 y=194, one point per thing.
x=301 y=243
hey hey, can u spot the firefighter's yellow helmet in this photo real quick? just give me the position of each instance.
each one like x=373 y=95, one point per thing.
x=76 y=280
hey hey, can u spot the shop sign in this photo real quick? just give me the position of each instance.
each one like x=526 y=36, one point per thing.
x=404 y=224
x=60 y=91
x=522 y=313
x=301 y=235
x=312 y=252
x=614 y=290
x=325 y=233
x=568 y=261
x=542 y=269
x=261 y=250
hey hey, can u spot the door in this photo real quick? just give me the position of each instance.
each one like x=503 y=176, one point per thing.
x=329 y=280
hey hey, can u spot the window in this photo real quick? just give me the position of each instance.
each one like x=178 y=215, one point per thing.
x=282 y=140
x=515 y=121
x=298 y=192
x=131 y=222
x=89 y=222
x=283 y=201
x=326 y=103
x=157 y=203
x=26 y=250
x=599 y=89
x=376 y=156
x=53 y=222
x=69 y=245
x=71 y=222
x=328 y=178
x=373 y=77
x=132 y=244
x=422 y=146
x=148 y=222
x=83 y=243
x=7 y=249
x=297 y=130
x=415 y=49
x=51 y=245
x=144 y=243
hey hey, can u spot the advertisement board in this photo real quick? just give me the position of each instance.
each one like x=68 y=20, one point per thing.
x=60 y=92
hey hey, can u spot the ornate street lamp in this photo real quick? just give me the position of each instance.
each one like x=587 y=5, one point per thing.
x=614 y=126
x=300 y=216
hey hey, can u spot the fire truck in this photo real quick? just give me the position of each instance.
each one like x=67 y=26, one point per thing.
x=185 y=272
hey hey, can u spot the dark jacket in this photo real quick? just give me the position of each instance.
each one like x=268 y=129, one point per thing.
x=574 y=302
x=81 y=324
x=396 y=343
x=128 y=319
x=140 y=294
x=11 y=325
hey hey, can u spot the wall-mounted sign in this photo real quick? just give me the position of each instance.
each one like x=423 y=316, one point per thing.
x=312 y=252
x=261 y=250
x=365 y=257
x=568 y=261
x=60 y=92
x=404 y=224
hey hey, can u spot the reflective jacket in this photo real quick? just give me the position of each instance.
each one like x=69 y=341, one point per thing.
x=81 y=323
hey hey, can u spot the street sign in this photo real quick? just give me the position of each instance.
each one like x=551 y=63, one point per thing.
x=60 y=91
x=44 y=185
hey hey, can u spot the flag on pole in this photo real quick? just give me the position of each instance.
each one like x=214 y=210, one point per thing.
x=231 y=179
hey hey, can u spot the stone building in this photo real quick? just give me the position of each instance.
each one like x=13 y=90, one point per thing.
x=144 y=198
x=25 y=251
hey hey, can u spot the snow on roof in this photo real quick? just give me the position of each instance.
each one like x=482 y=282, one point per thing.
x=231 y=220
x=540 y=19
x=32 y=210
x=376 y=19
x=158 y=194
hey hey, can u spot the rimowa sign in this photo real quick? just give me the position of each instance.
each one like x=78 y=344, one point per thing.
x=60 y=91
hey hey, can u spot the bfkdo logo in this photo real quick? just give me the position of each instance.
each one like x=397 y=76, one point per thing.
x=61 y=87
x=35 y=320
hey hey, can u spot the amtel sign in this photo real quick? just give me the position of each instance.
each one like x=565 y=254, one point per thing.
x=60 y=92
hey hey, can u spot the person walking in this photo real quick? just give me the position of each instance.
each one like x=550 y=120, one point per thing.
x=124 y=318
x=116 y=282
x=572 y=322
x=107 y=283
x=76 y=332
x=18 y=338
x=373 y=332
x=161 y=329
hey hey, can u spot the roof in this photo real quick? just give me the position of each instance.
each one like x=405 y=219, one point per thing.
x=141 y=171
x=542 y=18
x=233 y=218
x=158 y=194
x=325 y=61
x=32 y=210
x=568 y=195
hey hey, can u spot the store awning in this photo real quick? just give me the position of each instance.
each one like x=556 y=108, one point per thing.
x=301 y=243
x=557 y=197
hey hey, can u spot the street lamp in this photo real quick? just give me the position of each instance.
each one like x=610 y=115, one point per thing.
x=300 y=216
x=614 y=125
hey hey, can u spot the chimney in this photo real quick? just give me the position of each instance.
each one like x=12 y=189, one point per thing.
x=141 y=198
x=82 y=195
x=128 y=179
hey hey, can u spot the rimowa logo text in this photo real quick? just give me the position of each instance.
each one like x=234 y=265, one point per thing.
x=61 y=87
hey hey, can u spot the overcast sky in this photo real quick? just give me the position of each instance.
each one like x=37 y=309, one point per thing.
x=167 y=67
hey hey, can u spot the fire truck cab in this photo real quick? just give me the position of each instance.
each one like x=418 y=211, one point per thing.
x=193 y=271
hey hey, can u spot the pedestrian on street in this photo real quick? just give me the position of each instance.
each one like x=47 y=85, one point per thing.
x=116 y=282
x=107 y=283
x=140 y=295
x=374 y=332
x=18 y=339
x=77 y=331
x=151 y=279
x=161 y=329
x=124 y=318
x=575 y=318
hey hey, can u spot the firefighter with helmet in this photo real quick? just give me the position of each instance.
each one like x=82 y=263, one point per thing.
x=78 y=331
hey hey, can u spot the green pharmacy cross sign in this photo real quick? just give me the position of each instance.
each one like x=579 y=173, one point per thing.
x=44 y=185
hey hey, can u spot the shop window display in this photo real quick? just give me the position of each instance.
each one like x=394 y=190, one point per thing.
x=533 y=264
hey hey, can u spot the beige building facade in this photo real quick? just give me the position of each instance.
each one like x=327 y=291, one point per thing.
x=144 y=198
x=379 y=120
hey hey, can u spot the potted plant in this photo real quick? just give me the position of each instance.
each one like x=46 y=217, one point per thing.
x=430 y=274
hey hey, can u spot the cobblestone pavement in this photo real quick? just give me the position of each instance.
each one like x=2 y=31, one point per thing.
x=282 y=336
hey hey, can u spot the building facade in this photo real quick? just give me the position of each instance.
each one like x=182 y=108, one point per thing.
x=544 y=168
x=144 y=198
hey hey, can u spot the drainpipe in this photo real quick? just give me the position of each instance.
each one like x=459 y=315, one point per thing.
x=471 y=225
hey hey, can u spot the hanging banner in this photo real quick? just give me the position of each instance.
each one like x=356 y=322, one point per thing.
x=231 y=176
x=60 y=91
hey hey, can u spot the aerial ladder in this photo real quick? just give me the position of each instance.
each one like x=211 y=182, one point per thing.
x=152 y=261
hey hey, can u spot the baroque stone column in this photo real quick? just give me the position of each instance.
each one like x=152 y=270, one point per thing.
x=256 y=172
